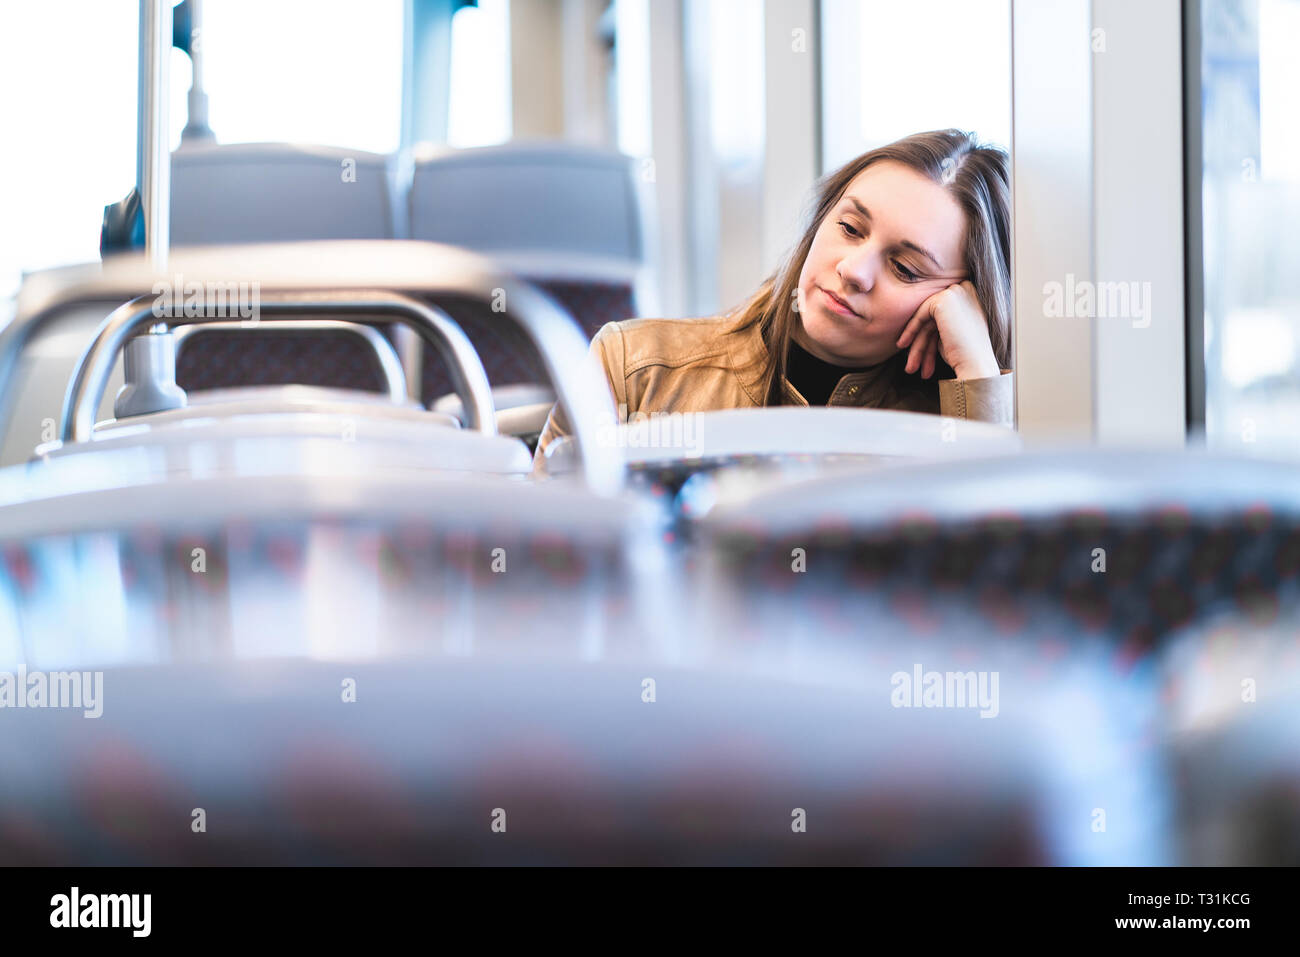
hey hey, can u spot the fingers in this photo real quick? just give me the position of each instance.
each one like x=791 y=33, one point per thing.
x=924 y=353
x=927 y=369
x=913 y=351
x=920 y=348
x=924 y=313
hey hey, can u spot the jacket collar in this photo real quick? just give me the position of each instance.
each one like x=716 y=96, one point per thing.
x=748 y=355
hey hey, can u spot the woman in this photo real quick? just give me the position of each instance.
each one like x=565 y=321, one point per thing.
x=897 y=297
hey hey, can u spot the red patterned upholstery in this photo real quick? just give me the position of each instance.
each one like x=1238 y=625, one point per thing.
x=508 y=360
x=219 y=360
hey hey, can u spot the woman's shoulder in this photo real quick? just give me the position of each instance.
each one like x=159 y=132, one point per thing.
x=638 y=343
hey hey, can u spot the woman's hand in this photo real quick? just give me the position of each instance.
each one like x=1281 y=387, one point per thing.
x=951 y=325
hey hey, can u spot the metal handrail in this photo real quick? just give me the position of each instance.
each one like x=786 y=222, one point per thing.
x=90 y=379
x=390 y=365
x=153 y=159
x=429 y=270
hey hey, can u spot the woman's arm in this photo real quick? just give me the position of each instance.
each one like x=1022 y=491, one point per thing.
x=951 y=326
x=986 y=399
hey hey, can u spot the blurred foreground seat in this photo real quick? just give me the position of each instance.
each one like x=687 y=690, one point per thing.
x=489 y=762
x=1231 y=684
x=1124 y=545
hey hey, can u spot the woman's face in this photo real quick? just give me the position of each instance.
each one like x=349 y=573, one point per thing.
x=893 y=240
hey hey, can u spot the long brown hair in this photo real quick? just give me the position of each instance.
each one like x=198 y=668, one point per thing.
x=978 y=178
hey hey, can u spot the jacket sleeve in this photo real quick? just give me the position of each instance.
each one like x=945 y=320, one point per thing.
x=607 y=352
x=984 y=400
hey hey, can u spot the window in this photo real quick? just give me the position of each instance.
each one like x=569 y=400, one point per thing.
x=1250 y=201
x=325 y=72
x=67 y=117
x=479 y=109
x=313 y=71
x=884 y=77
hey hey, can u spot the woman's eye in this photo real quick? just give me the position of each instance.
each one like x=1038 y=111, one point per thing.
x=904 y=273
x=849 y=230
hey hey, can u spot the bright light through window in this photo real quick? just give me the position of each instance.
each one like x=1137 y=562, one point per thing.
x=632 y=49
x=1279 y=79
x=311 y=71
x=932 y=64
x=67 y=116
x=325 y=72
x=479 y=108
x=736 y=80
x=1251 y=196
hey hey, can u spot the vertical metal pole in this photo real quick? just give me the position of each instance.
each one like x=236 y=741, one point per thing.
x=426 y=71
x=1194 y=251
x=154 y=156
x=197 y=129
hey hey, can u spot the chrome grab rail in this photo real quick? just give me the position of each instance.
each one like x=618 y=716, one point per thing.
x=90 y=379
x=390 y=365
x=428 y=270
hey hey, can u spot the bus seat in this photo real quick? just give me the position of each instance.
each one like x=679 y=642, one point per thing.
x=692 y=461
x=570 y=219
x=221 y=360
x=41 y=382
x=1231 y=684
x=218 y=550
x=278 y=192
x=521 y=410
x=592 y=304
x=566 y=756
x=1124 y=546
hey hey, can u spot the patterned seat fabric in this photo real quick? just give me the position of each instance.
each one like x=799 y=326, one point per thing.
x=505 y=356
x=220 y=360
x=1164 y=570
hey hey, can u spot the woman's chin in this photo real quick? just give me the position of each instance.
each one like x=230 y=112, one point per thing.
x=837 y=331
x=851 y=354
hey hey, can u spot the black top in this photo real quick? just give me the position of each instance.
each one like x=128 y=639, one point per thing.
x=815 y=378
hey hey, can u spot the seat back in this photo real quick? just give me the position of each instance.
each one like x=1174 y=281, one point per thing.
x=1122 y=546
x=570 y=219
x=1231 y=684
x=222 y=360
x=278 y=192
x=465 y=761
x=406 y=539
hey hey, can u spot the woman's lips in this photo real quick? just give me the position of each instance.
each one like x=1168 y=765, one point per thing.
x=838 y=305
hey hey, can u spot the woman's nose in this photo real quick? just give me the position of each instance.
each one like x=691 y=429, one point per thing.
x=859 y=269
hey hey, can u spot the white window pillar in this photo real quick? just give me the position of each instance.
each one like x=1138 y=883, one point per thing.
x=651 y=106
x=1097 y=230
x=791 y=153
x=537 y=69
x=1138 y=220
x=1051 y=232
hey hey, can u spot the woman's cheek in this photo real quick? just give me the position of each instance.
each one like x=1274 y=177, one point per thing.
x=900 y=310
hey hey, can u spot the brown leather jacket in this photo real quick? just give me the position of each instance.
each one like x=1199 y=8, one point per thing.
x=698 y=365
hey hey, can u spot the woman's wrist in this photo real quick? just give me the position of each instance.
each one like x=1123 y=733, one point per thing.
x=982 y=369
